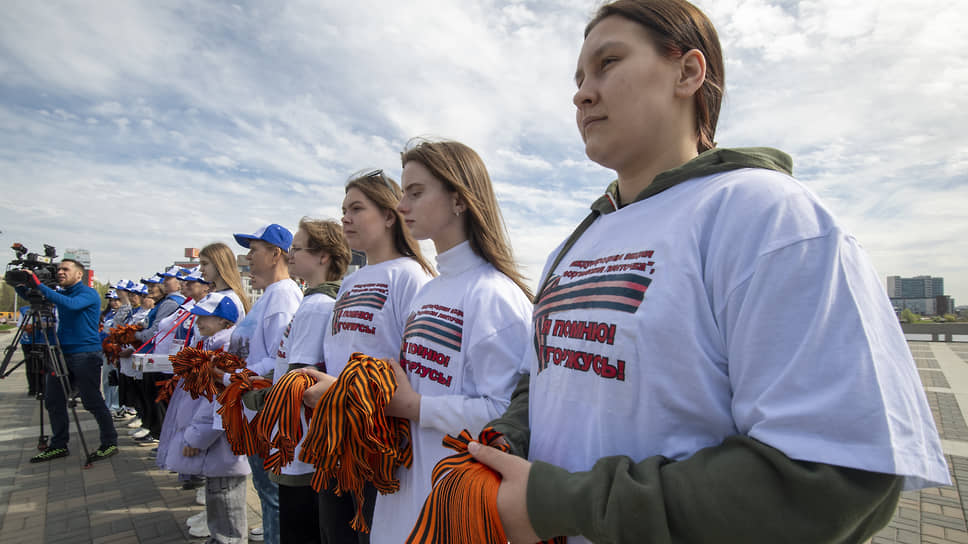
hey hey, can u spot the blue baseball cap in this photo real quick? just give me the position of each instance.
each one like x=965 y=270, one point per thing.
x=153 y=279
x=217 y=305
x=274 y=234
x=130 y=287
x=195 y=275
x=111 y=294
x=176 y=272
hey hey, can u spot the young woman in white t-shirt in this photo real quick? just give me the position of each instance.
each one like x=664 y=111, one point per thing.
x=370 y=311
x=467 y=329
x=714 y=358
x=319 y=256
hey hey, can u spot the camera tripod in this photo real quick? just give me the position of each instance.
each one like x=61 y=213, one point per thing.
x=44 y=358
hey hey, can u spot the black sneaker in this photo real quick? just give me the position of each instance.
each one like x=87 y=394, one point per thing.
x=48 y=454
x=193 y=482
x=146 y=440
x=103 y=452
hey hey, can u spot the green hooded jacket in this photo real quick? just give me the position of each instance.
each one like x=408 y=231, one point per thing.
x=740 y=491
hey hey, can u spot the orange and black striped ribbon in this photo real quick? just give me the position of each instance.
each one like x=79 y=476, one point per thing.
x=166 y=388
x=238 y=431
x=194 y=366
x=124 y=334
x=283 y=406
x=121 y=335
x=351 y=440
x=462 y=507
x=112 y=351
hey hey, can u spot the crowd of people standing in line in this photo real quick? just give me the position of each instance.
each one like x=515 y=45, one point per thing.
x=708 y=352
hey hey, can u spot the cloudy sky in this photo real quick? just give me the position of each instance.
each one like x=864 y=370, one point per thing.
x=136 y=129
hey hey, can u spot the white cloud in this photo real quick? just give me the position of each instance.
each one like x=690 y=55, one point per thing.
x=220 y=162
x=520 y=160
x=151 y=127
x=108 y=109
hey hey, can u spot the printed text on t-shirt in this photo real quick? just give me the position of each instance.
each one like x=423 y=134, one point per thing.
x=439 y=326
x=615 y=282
x=361 y=298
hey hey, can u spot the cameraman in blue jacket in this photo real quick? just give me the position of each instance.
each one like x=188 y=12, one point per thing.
x=78 y=312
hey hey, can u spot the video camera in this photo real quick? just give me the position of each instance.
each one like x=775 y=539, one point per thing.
x=19 y=269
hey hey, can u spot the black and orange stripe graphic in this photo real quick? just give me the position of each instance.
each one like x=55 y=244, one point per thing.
x=462 y=507
x=441 y=332
x=351 y=440
x=357 y=299
x=617 y=292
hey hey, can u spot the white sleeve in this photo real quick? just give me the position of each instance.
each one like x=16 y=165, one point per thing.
x=306 y=338
x=818 y=364
x=165 y=334
x=273 y=327
x=492 y=368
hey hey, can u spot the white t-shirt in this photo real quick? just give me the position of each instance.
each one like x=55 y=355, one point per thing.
x=257 y=336
x=732 y=304
x=126 y=364
x=169 y=325
x=464 y=350
x=371 y=311
x=303 y=343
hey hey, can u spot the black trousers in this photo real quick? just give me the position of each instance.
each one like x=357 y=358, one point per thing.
x=298 y=515
x=85 y=376
x=154 y=414
x=336 y=513
x=131 y=395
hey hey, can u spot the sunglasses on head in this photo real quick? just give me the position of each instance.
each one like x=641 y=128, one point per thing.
x=375 y=173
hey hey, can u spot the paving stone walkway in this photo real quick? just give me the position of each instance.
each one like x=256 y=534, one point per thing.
x=123 y=499
x=937 y=515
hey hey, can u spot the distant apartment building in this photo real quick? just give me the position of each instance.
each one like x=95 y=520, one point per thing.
x=243 y=265
x=921 y=294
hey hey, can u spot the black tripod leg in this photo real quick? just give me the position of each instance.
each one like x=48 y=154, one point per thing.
x=42 y=440
x=10 y=349
x=80 y=434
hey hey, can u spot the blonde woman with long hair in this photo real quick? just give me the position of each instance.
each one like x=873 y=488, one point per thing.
x=219 y=267
x=466 y=334
x=371 y=309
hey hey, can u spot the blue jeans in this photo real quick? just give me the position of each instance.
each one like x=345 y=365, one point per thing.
x=269 y=498
x=84 y=370
x=110 y=391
